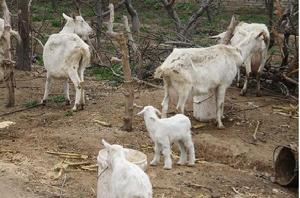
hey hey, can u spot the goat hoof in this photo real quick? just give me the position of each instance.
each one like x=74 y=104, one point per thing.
x=221 y=127
x=68 y=102
x=258 y=94
x=191 y=164
x=167 y=167
x=43 y=102
x=181 y=163
x=75 y=108
x=153 y=163
x=81 y=106
x=243 y=93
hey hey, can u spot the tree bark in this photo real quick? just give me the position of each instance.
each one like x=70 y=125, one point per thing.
x=98 y=21
x=7 y=64
x=270 y=10
x=193 y=19
x=172 y=13
x=23 y=49
x=128 y=82
x=134 y=16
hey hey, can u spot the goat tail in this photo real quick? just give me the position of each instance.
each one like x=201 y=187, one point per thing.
x=79 y=56
x=85 y=57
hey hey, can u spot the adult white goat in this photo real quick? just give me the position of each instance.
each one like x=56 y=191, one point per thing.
x=166 y=131
x=127 y=180
x=255 y=63
x=66 y=56
x=196 y=71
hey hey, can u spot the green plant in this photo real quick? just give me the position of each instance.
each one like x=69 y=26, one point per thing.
x=39 y=60
x=58 y=99
x=69 y=113
x=56 y=23
x=31 y=104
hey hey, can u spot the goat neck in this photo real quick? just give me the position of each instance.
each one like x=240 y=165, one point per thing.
x=68 y=28
x=150 y=122
x=117 y=158
x=246 y=47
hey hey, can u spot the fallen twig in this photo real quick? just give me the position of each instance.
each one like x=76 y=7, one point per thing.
x=68 y=155
x=194 y=185
x=106 y=124
x=256 y=129
x=147 y=83
x=19 y=110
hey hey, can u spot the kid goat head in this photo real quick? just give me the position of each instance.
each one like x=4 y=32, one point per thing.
x=150 y=111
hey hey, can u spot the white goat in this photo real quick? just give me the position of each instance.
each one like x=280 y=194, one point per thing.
x=196 y=71
x=127 y=180
x=166 y=131
x=255 y=63
x=66 y=56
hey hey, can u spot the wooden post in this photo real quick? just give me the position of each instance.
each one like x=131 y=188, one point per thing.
x=7 y=64
x=122 y=40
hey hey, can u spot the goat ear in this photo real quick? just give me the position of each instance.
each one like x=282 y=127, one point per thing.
x=219 y=36
x=261 y=34
x=157 y=111
x=66 y=17
x=106 y=144
x=141 y=112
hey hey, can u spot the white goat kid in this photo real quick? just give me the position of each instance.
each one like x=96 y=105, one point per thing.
x=127 y=180
x=256 y=61
x=66 y=56
x=166 y=131
x=197 y=71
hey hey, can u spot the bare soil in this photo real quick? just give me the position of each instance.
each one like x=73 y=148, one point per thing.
x=230 y=163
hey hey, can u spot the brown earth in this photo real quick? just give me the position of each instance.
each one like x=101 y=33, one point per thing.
x=230 y=163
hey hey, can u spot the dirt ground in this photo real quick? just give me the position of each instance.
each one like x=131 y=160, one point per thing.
x=230 y=163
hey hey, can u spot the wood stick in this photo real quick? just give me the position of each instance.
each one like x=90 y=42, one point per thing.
x=19 y=110
x=256 y=129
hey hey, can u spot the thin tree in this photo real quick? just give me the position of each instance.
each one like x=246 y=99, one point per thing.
x=5 y=54
x=122 y=41
x=24 y=48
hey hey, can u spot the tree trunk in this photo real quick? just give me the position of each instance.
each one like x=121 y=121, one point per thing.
x=7 y=64
x=134 y=16
x=270 y=10
x=99 y=21
x=128 y=82
x=285 y=49
x=129 y=95
x=23 y=49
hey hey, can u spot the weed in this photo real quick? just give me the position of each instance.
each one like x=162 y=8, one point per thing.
x=103 y=73
x=56 y=23
x=31 y=104
x=58 y=99
x=69 y=113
